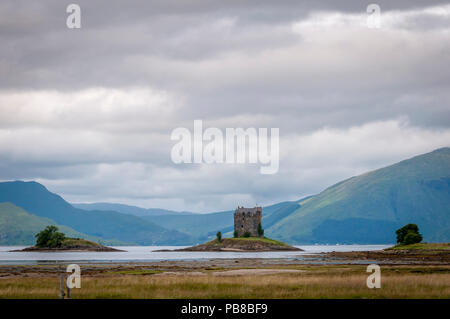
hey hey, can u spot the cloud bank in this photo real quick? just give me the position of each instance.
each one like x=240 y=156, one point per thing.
x=89 y=112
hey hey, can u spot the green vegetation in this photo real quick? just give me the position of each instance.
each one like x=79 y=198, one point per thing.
x=219 y=236
x=242 y=244
x=69 y=244
x=263 y=240
x=364 y=209
x=260 y=230
x=423 y=246
x=412 y=238
x=79 y=242
x=315 y=281
x=247 y=234
x=250 y=239
x=369 y=208
x=408 y=234
x=127 y=209
x=235 y=234
x=18 y=227
x=49 y=237
x=109 y=225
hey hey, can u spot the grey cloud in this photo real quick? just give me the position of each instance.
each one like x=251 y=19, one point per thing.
x=75 y=115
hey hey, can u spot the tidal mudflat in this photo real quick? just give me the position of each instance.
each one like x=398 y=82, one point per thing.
x=322 y=276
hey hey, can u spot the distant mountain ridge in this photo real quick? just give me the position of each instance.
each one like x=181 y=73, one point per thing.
x=369 y=207
x=365 y=209
x=36 y=199
x=18 y=227
x=128 y=209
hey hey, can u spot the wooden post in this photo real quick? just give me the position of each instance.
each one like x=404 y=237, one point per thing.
x=69 y=293
x=61 y=286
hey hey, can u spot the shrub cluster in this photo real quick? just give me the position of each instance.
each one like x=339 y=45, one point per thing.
x=408 y=234
x=49 y=237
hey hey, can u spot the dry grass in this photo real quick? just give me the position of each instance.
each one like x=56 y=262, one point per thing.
x=342 y=282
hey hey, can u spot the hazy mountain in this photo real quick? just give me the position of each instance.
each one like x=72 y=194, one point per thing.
x=205 y=226
x=18 y=227
x=364 y=209
x=37 y=200
x=369 y=207
x=127 y=209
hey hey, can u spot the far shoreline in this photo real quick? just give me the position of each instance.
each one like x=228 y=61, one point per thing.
x=51 y=250
x=421 y=254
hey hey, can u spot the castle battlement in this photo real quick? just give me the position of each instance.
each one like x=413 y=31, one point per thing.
x=247 y=220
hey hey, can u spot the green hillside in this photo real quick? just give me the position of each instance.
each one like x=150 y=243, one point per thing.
x=37 y=200
x=365 y=209
x=18 y=227
x=128 y=209
x=368 y=208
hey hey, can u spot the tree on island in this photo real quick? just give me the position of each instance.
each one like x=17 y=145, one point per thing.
x=260 y=230
x=49 y=237
x=408 y=234
x=219 y=236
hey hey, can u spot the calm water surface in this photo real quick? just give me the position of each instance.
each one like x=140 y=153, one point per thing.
x=148 y=253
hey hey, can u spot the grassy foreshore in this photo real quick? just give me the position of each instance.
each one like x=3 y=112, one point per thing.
x=271 y=281
x=422 y=271
x=423 y=246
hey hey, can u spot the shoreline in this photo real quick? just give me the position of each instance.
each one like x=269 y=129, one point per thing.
x=231 y=267
x=51 y=250
x=381 y=257
x=147 y=256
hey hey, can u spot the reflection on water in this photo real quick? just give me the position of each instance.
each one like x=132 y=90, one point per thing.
x=148 y=253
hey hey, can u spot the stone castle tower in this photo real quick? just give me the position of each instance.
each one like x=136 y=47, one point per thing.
x=247 y=220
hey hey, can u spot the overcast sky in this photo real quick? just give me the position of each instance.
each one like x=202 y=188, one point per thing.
x=89 y=112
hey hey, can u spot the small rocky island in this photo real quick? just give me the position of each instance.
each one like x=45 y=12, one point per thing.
x=250 y=244
x=49 y=240
x=248 y=236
